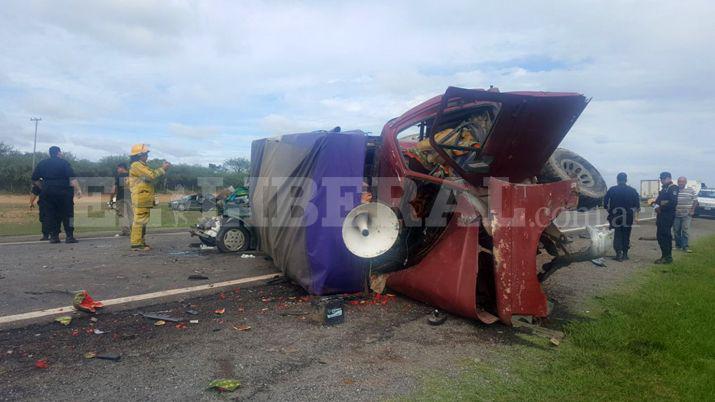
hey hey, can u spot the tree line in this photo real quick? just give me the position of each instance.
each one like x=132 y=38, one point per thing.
x=16 y=171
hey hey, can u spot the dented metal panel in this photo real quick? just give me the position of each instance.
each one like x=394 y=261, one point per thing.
x=520 y=213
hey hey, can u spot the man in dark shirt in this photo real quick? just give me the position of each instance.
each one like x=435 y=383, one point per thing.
x=35 y=191
x=665 y=210
x=56 y=179
x=622 y=203
x=123 y=199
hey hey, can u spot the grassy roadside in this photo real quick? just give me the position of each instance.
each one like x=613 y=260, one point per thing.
x=19 y=219
x=656 y=342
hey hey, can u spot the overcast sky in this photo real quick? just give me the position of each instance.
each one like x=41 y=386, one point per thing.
x=198 y=80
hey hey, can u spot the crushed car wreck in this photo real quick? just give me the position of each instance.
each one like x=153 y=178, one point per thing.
x=228 y=231
x=452 y=205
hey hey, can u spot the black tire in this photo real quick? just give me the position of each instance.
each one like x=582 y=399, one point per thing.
x=233 y=239
x=565 y=165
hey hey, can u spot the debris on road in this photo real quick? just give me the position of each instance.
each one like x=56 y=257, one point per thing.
x=90 y=355
x=599 y=262
x=84 y=302
x=161 y=317
x=436 y=318
x=64 y=320
x=192 y=312
x=41 y=364
x=115 y=357
x=98 y=331
x=277 y=280
x=225 y=385
x=193 y=321
x=248 y=256
x=328 y=310
x=159 y=323
x=242 y=327
x=220 y=311
x=198 y=277
x=534 y=329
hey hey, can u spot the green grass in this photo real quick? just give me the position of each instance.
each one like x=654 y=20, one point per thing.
x=17 y=220
x=656 y=342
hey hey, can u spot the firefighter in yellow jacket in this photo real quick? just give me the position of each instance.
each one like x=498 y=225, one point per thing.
x=141 y=184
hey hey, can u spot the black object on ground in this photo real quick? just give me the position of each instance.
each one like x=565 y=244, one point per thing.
x=198 y=277
x=277 y=280
x=115 y=357
x=436 y=318
x=328 y=311
x=162 y=317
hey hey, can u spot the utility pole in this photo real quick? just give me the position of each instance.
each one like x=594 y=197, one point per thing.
x=34 y=147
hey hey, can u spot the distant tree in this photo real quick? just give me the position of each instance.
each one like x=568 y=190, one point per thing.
x=237 y=165
x=16 y=166
x=217 y=168
x=6 y=149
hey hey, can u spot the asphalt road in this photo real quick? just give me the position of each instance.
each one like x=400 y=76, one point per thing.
x=39 y=275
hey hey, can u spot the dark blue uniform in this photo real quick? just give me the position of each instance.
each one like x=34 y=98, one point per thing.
x=36 y=190
x=622 y=202
x=667 y=201
x=57 y=195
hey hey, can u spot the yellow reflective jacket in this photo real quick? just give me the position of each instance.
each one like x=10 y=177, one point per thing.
x=141 y=184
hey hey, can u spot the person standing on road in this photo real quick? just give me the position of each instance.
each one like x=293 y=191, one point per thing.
x=34 y=195
x=665 y=206
x=687 y=202
x=121 y=194
x=141 y=184
x=58 y=186
x=622 y=203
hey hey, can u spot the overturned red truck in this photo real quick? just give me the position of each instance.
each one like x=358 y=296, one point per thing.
x=453 y=204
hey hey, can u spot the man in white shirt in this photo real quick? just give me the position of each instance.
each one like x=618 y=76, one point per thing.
x=687 y=201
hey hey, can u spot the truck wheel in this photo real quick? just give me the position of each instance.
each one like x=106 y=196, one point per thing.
x=564 y=165
x=233 y=239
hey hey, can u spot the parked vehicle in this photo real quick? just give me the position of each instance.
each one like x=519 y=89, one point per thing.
x=706 y=202
x=492 y=157
x=194 y=202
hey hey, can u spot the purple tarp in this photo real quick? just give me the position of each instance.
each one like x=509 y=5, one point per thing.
x=309 y=249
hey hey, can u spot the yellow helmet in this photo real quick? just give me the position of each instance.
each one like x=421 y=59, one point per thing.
x=139 y=149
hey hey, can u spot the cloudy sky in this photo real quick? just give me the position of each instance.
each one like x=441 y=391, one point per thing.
x=198 y=80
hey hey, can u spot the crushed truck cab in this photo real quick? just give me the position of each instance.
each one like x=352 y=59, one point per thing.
x=467 y=179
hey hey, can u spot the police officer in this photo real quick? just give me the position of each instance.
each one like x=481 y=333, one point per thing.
x=622 y=203
x=35 y=191
x=55 y=178
x=665 y=210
